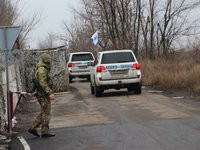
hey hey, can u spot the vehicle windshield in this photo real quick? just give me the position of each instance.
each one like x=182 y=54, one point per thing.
x=118 y=57
x=82 y=57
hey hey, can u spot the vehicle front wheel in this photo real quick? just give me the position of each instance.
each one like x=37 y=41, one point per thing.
x=97 y=91
x=91 y=89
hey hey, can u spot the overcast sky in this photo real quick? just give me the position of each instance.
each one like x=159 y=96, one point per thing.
x=54 y=12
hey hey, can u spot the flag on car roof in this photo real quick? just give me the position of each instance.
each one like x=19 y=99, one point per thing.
x=95 y=37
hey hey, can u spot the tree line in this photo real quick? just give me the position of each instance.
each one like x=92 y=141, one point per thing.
x=10 y=14
x=149 y=27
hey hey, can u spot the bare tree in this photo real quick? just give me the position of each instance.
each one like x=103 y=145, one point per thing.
x=8 y=12
x=137 y=27
x=148 y=25
x=175 y=22
x=10 y=15
x=152 y=29
x=78 y=35
x=28 y=26
x=50 y=41
x=113 y=19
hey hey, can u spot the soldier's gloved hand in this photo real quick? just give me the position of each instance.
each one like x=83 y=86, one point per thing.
x=52 y=97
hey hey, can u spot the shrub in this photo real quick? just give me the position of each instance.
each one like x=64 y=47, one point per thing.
x=179 y=70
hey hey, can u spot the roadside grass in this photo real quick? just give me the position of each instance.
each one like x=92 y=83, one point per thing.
x=180 y=70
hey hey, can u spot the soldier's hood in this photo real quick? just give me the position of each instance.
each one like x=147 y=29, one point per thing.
x=45 y=58
x=45 y=61
x=42 y=64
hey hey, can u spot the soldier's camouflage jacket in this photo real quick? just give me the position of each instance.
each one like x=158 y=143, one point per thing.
x=42 y=75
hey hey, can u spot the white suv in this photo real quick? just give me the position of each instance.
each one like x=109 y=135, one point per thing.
x=115 y=70
x=78 y=65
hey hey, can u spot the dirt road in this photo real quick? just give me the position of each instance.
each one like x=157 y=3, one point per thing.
x=119 y=120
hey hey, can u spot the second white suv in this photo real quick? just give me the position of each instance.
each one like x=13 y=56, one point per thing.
x=78 y=65
x=115 y=70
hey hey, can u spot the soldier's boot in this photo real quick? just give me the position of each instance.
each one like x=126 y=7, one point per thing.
x=47 y=135
x=33 y=132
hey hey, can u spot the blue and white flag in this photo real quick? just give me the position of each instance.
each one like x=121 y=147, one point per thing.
x=95 y=37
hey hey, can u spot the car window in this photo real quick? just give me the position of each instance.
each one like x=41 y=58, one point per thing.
x=82 y=57
x=119 y=57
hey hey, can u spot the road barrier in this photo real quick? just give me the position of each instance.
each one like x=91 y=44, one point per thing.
x=14 y=109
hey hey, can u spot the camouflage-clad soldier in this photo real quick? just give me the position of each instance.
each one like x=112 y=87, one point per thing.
x=42 y=75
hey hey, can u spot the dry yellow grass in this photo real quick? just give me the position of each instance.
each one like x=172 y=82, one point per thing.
x=180 y=70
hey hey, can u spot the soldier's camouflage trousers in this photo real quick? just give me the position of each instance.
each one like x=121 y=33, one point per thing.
x=44 y=117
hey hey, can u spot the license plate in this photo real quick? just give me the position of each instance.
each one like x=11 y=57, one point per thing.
x=118 y=72
x=82 y=67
